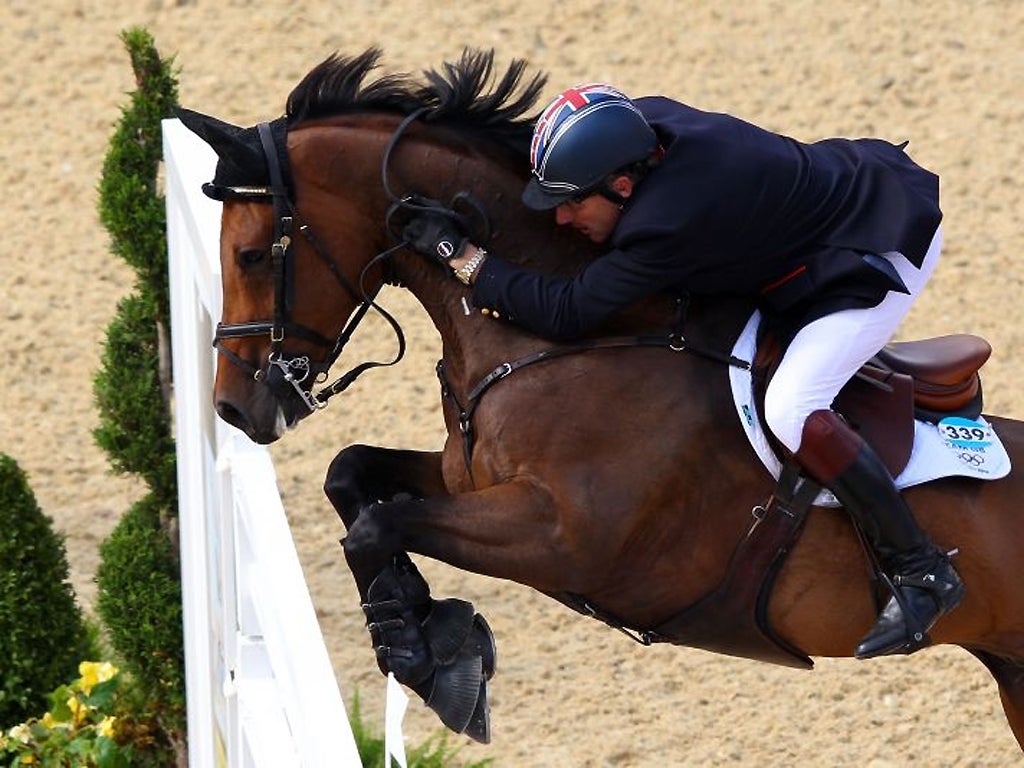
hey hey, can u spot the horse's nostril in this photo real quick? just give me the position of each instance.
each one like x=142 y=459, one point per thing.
x=230 y=414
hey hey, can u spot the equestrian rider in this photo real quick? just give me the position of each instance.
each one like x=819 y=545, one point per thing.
x=839 y=236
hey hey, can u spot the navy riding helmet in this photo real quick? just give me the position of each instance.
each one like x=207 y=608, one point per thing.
x=584 y=135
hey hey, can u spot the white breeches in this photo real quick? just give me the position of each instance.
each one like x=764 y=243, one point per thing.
x=825 y=354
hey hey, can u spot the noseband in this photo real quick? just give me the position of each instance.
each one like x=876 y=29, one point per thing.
x=301 y=373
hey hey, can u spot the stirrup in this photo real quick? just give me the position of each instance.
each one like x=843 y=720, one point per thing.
x=899 y=612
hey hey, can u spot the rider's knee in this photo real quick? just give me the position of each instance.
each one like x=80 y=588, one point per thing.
x=784 y=417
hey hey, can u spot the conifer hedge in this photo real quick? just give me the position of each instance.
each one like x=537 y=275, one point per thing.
x=139 y=576
x=42 y=633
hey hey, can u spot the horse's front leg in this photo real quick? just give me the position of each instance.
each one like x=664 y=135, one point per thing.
x=362 y=475
x=508 y=531
x=442 y=649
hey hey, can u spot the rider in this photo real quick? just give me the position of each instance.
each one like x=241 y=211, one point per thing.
x=838 y=236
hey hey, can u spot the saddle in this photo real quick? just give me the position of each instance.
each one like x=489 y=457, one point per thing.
x=928 y=379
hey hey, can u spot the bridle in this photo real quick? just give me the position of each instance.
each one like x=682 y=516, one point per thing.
x=300 y=372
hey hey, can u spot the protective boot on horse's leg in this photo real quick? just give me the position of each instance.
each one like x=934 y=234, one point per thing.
x=925 y=585
x=442 y=649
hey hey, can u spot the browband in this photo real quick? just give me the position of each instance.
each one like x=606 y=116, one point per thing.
x=223 y=192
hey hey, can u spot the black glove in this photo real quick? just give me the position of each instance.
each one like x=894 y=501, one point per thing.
x=435 y=235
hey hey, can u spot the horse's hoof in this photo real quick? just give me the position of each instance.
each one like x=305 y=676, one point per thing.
x=458 y=690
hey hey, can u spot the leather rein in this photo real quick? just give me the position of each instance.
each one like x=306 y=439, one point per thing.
x=297 y=371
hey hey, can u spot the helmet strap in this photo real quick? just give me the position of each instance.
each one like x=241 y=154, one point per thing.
x=610 y=194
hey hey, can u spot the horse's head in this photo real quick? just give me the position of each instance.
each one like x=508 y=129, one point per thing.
x=306 y=211
x=285 y=299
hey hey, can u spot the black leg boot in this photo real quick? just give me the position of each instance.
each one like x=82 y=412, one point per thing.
x=925 y=584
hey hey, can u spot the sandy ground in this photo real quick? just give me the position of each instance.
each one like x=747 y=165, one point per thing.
x=569 y=692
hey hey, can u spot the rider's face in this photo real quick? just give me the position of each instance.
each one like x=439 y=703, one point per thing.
x=594 y=216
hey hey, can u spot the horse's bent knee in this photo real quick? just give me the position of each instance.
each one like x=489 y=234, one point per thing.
x=345 y=483
x=347 y=468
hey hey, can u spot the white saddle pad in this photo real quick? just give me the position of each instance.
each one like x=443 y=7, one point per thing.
x=953 y=447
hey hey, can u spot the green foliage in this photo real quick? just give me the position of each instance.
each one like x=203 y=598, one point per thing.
x=129 y=204
x=134 y=428
x=140 y=602
x=87 y=726
x=42 y=633
x=433 y=753
x=139 y=578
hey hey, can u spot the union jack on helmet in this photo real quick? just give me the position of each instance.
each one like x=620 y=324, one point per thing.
x=585 y=134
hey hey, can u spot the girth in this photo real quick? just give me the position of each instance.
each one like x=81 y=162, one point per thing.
x=732 y=618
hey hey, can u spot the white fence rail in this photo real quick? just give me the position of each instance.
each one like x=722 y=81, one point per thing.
x=261 y=689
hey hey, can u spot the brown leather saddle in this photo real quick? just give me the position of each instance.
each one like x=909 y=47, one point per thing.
x=928 y=379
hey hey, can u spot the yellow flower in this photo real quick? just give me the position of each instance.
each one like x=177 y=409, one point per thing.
x=94 y=672
x=78 y=709
x=106 y=726
x=28 y=759
x=48 y=721
x=89 y=670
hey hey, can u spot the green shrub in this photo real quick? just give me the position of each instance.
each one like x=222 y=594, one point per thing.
x=139 y=578
x=42 y=632
x=129 y=204
x=90 y=724
x=140 y=601
x=134 y=429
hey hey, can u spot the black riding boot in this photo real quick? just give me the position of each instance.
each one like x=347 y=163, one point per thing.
x=925 y=584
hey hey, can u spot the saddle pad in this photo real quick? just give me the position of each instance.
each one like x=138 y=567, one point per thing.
x=955 y=447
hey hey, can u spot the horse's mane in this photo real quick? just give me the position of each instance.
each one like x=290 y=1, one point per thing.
x=461 y=93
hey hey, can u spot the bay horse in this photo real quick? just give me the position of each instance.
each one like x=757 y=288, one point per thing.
x=613 y=475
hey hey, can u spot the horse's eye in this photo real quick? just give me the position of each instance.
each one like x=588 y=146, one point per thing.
x=250 y=257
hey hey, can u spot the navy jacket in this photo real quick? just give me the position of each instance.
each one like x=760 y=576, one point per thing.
x=735 y=209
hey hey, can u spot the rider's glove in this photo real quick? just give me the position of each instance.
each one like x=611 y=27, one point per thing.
x=435 y=235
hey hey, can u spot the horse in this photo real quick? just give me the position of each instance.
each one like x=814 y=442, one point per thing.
x=612 y=475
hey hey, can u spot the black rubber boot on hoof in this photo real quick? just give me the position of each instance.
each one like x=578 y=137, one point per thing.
x=455 y=692
x=481 y=642
x=479 y=727
x=447 y=627
x=393 y=601
x=921 y=596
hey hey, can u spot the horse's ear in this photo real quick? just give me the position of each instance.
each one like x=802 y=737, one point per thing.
x=232 y=144
x=239 y=150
